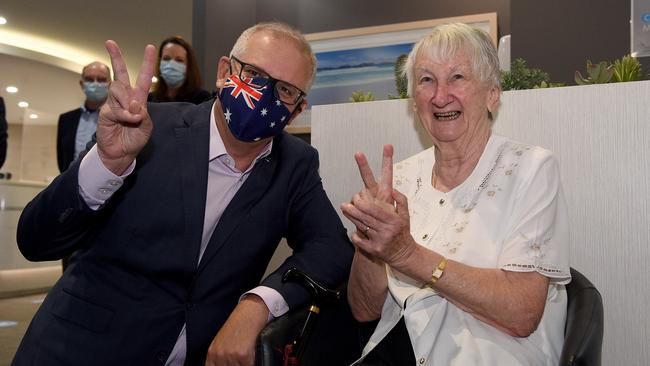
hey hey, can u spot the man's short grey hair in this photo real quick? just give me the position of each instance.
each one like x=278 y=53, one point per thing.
x=96 y=63
x=445 y=41
x=281 y=31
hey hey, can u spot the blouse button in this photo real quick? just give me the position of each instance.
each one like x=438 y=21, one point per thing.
x=425 y=236
x=442 y=201
x=422 y=360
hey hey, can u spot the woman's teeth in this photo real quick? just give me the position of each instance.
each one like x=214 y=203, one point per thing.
x=447 y=116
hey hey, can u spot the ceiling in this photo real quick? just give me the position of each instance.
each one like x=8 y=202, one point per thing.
x=45 y=44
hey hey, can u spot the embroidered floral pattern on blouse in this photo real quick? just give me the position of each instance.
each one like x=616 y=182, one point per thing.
x=451 y=248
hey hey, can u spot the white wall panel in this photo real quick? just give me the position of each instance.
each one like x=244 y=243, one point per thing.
x=601 y=136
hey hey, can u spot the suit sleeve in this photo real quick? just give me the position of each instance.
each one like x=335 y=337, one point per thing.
x=57 y=221
x=319 y=241
x=60 y=160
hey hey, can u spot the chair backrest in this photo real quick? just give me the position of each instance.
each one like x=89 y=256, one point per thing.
x=583 y=333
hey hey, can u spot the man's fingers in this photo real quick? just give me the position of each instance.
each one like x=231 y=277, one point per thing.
x=365 y=171
x=143 y=83
x=120 y=72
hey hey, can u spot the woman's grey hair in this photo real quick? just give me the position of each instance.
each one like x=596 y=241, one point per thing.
x=281 y=31
x=445 y=41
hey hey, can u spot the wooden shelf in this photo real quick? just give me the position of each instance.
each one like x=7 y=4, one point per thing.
x=298 y=130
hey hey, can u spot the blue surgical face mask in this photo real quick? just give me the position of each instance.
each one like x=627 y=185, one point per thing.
x=95 y=92
x=173 y=72
x=252 y=113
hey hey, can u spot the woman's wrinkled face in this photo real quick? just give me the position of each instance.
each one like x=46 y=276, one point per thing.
x=450 y=100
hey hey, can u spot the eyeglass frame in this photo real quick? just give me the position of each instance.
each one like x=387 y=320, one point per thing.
x=270 y=81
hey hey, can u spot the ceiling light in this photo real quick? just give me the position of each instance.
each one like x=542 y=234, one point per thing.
x=23 y=104
x=3 y=20
x=33 y=116
x=12 y=89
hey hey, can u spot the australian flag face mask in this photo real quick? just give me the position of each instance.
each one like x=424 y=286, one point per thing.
x=252 y=112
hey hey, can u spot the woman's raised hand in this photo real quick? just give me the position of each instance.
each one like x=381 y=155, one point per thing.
x=124 y=125
x=380 y=213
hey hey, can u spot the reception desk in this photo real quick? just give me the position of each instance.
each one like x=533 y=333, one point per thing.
x=17 y=275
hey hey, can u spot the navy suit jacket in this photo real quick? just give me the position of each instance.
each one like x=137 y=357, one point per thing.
x=131 y=291
x=66 y=134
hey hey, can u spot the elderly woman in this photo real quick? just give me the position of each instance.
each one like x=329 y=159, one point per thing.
x=461 y=249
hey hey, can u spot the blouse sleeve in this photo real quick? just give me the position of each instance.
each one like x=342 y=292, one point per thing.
x=538 y=238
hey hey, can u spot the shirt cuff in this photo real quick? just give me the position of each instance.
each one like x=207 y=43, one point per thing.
x=273 y=300
x=96 y=183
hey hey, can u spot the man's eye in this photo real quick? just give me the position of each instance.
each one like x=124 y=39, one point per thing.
x=285 y=90
x=457 y=77
x=252 y=72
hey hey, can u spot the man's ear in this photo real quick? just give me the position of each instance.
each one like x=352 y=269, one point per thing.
x=81 y=84
x=223 y=71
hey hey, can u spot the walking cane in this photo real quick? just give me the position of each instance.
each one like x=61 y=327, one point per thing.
x=293 y=351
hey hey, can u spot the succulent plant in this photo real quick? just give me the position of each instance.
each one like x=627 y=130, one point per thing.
x=544 y=85
x=521 y=77
x=359 y=96
x=627 y=68
x=599 y=73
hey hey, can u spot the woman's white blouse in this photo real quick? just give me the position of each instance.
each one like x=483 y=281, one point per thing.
x=509 y=214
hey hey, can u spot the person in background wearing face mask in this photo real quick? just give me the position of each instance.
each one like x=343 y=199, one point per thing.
x=180 y=208
x=76 y=127
x=177 y=72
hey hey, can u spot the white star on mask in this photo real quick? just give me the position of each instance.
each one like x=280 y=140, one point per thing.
x=278 y=103
x=282 y=119
x=227 y=115
x=263 y=111
x=272 y=124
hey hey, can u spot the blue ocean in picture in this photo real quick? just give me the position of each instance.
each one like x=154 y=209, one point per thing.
x=364 y=69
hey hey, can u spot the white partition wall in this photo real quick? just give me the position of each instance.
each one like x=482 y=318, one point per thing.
x=601 y=136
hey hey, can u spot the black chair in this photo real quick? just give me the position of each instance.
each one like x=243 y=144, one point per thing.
x=583 y=333
x=337 y=338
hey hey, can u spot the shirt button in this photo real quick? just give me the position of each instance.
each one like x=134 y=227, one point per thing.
x=425 y=236
x=421 y=360
x=226 y=160
x=104 y=191
x=113 y=182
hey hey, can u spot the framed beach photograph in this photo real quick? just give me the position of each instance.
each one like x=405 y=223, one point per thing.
x=363 y=59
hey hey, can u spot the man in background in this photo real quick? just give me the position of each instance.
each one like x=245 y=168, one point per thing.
x=77 y=127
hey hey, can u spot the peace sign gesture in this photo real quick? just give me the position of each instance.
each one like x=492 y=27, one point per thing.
x=124 y=125
x=380 y=213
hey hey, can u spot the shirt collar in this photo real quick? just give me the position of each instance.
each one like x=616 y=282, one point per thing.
x=217 y=148
x=86 y=110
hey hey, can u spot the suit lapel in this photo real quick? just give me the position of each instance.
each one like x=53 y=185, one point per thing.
x=237 y=210
x=193 y=141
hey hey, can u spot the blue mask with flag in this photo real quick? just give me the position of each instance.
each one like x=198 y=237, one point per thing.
x=252 y=112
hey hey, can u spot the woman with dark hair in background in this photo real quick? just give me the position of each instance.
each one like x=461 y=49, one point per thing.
x=177 y=71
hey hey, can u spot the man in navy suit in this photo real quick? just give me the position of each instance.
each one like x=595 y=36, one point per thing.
x=76 y=127
x=179 y=209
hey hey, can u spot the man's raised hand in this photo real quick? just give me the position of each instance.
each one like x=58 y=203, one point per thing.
x=124 y=125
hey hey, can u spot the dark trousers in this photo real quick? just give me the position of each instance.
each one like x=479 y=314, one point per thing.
x=394 y=350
